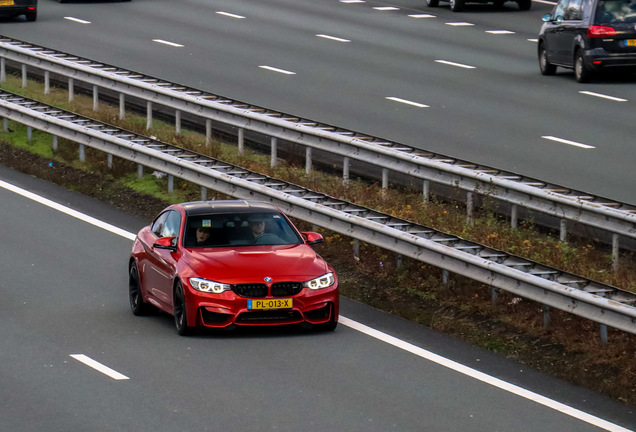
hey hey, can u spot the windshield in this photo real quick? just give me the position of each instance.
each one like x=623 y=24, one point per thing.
x=615 y=11
x=239 y=229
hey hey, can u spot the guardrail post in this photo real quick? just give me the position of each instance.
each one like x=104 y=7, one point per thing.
x=5 y=125
x=615 y=251
x=204 y=193
x=398 y=262
x=308 y=161
x=177 y=122
x=71 y=90
x=140 y=171
x=170 y=183
x=95 y=98
x=148 y=115
x=110 y=161
x=563 y=232
x=426 y=190
x=604 y=334
x=208 y=133
x=356 y=249
x=494 y=296
x=274 y=153
x=241 y=142
x=385 y=182
x=24 y=76
x=546 y=316
x=346 y=165
x=470 y=209
x=3 y=70
x=514 y=216
x=29 y=133
x=445 y=275
x=47 y=82
x=122 y=106
x=82 y=153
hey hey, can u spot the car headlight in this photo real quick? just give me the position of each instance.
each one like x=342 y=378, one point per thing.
x=323 y=281
x=209 y=286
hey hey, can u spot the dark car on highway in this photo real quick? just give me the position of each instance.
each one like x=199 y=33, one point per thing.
x=589 y=36
x=458 y=5
x=14 y=8
x=222 y=264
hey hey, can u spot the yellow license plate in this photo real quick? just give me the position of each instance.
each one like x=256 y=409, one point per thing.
x=6 y=3
x=269 y=304
x=630 y=42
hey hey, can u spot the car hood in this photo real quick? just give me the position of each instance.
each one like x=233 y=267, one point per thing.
x=241 y=265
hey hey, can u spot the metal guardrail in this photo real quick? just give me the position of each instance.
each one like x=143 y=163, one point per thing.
x=605 y=304
x=517 y=190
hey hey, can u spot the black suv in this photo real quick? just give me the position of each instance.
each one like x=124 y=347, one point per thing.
x=13 y=8
x=588 y=36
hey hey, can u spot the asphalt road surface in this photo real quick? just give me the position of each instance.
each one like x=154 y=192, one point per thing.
x=74 y=358
x=462 y=84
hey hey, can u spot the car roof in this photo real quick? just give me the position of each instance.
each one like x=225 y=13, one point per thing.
x=227 y=206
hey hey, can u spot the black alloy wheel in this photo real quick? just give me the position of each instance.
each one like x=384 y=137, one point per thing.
x=545 y=66
x=137 y=304
x=180 y=317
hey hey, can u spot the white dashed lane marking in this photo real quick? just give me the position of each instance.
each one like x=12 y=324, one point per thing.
x=407 y=102
x=603 y=96
x=99 y=367
x=450 y=63
x=568 y=142
x=77 y=20
x=273 y=69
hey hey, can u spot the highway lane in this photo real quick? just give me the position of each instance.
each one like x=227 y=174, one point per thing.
x=496 y=112
x=64 y=293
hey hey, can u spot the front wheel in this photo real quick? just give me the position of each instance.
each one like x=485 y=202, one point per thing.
x=545 y=66
x=581 y=72
x=180 y=315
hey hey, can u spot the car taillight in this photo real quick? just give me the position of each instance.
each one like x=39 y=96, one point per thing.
x=598 y=31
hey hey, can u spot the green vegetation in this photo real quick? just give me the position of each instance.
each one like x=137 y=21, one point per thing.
x=570 y=348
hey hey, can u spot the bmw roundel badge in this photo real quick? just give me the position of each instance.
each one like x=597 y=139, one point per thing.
x=268 y=279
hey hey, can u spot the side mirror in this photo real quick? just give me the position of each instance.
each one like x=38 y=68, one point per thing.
x=313 y=238
x=547 y=17
x=168 y=243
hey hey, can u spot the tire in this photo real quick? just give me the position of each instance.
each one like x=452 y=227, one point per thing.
x=498 y=4
x=180 y=314
x=524 y=5
x=545 y=66
x=432 y=3
x=137 y=304
x=581 y=72
x=31 y=16
x=457 y=5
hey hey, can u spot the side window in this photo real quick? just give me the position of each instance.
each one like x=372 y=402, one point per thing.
x=573 y=11
x=159 y=224
x=560 y=9
x=167 y=224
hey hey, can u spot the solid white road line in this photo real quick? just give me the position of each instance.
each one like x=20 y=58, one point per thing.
x=59 y=207
x=273 y=69
x=231 y=15
x=99 y=367
x=599 y=95
x=473 y=373
x=77 y=20
x=568 y=142
x=333 y=38
x=384 y=337
x=455 y=64
x=173 y=44
x=407 y=102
